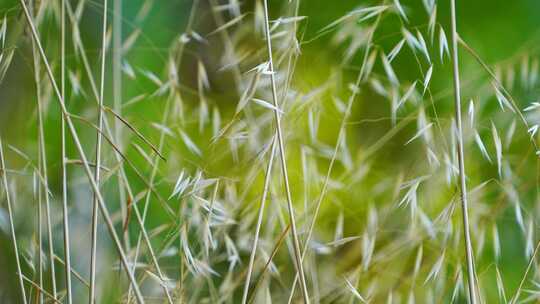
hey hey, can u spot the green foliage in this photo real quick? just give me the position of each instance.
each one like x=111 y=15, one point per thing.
x=370 y=198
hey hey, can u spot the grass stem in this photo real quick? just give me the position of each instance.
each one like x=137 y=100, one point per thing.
x=461 y=159
x=93 y=258
x=82 y=155
x=295 y=240
x=3 y=171
x=65 y=211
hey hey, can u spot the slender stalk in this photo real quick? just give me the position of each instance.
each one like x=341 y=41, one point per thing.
x=268 y=173
x=260 y=216
x=152 y=254
x=162 y=135
x=341 y=136
x=3 y=171
x=98 y=158
x=39 y=294
x=296 y=243
x=117 y=64
x=277 y=245
x=47 y=204
x=82 y=155
x=117 y=153
x=44 y=187
x=146 y=238
x=73 y=272
x=461 y=159
x=515 y=298
x=41 y=290
x=117 y=100
x=123 y=180
x=67 y=255
x=148 y=194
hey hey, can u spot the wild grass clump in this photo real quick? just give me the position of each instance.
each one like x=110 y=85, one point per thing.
x=261 y=152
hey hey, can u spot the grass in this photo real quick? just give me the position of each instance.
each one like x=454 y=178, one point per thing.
x=281 y=145
x=12 y=226
x=244 y=150
x=65 y=209
x=461 y=161
x=79 y=148
x=97 y=167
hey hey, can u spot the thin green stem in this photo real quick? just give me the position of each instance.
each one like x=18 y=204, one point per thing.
x=515 y=298
x=3 y=171
x=461 y=159
x=95 y=214
x=162 y=135
x=65 y=215
x=296 y=242
x=82 y=155
x=260 y=216
x=341 y=136
x=44 y=187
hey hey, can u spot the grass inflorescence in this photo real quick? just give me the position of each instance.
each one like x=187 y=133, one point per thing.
x=264 y=152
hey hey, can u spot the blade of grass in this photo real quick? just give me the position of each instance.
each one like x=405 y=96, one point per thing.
x=80 y=150
x=340 y=137
x=260 y=215
x=117 y=97
x=67 y=254
x=461 y=159
x=75 y=273
x=39 y=247
x=162 y=135
x=125 y=182
x=515 y=298
x=280 y=240
x=146 y=238
x=95 y=92
x=277 y=118
x=3 y=171
x=97 y=170
x=44 y=188
x=41 y=290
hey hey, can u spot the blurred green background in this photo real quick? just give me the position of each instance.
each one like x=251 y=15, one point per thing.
x=504 y=34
